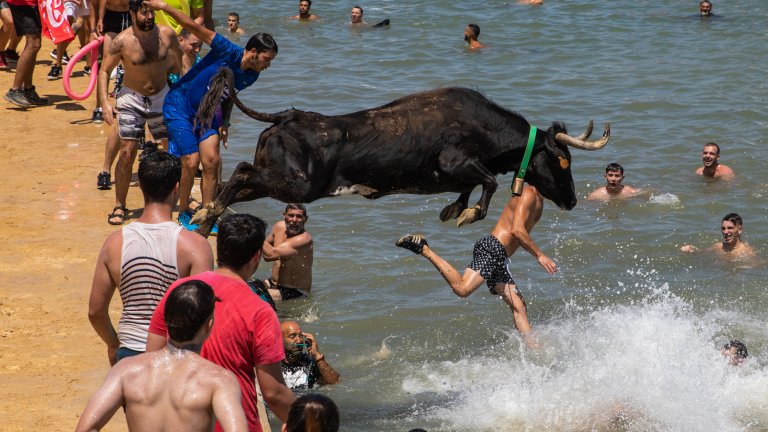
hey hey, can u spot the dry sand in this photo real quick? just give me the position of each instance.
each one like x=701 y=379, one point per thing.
x=54 y=221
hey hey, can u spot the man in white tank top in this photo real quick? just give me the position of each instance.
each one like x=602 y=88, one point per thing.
x=143 y=258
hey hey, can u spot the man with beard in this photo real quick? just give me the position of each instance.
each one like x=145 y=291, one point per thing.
x=290 y=248
x=712 y=168
x=148 y=53
x=471 y=33
x=732 y=246
x=304 y=365
x=614 y=176
x=304 y=13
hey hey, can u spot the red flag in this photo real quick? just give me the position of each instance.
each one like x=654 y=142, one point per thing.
x=55 y=24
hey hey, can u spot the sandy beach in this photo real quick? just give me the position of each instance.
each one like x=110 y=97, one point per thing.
x=54 y=222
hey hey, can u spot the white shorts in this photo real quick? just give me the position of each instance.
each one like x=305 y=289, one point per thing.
x=74 y=10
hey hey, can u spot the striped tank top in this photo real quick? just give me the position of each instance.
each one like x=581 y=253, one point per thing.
x=147 y=268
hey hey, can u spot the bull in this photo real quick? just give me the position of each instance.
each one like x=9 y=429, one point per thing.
x=444 y=140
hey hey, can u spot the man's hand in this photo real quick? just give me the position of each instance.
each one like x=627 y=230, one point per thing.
x=112 y=355
x=154 y=4
x=548 y=264
x=109 y=112
x=225 y=136
x=313 y=350
x=100 y=28
x=688 y=248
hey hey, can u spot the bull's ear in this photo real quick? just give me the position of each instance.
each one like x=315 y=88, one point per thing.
x=558 y=156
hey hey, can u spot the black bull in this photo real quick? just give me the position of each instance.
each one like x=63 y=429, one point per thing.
x=444 y=140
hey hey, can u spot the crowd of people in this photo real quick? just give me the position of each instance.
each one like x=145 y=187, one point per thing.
x=194 y=345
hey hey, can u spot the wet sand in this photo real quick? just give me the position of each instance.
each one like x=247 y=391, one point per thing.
x=54 y=221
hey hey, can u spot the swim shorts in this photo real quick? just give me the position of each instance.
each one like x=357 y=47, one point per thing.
x=489 y=258
x=74 y=10
x=135 y=110
x=183 y=140
x=115 y=22
x=26 y=20
x=286 y=293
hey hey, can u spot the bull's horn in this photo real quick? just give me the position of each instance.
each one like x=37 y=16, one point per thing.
x=588 y=131
x=582 y=144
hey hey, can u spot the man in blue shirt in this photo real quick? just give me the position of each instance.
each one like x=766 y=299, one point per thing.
x=192 y=138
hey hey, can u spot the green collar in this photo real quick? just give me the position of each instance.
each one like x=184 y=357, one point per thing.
x=517 y=186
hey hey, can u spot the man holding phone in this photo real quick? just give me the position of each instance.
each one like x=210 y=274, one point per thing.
x=304 y=365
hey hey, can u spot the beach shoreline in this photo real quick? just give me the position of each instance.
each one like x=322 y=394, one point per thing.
x=54 y=222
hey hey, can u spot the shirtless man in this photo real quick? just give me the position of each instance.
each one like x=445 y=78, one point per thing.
x=173 y=388
x=233 y=24
x=490 y=256
x=614 y=175
x=471 y=33
x=149 y=53
x=705 y=8
x=357 y=16
x=289 y=246
x=712 y=168
x=732 y=245
x=304 y=13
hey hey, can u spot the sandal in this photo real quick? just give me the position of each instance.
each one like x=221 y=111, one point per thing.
x=120 y=216
x=414 y=243
x=104 y=181
x=191 y=201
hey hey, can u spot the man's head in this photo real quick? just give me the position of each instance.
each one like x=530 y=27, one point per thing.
x=295 y=216
x=241 y=237
x=705 y=7
x=357 y=14
x=614 y=175
x=312 y=412
x=710 y=155
x=731 y=227
x=472 y=32
x=190 y=43
x=736 y=351
x=260 y=50
x=143 y=17
x=294 y=342
x=159 y=174
x=233 y=21
x=304 y=6
x=188 y=308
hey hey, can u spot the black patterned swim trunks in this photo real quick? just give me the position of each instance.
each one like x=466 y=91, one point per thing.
x=489 y=258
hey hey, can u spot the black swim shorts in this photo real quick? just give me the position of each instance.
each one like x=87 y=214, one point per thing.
x=115 y=22
x=26 y=20
x=286 y=293
x=489 y=258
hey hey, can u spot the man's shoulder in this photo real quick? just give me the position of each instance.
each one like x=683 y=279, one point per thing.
x=598 y=193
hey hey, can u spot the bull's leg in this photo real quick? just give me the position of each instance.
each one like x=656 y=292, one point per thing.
x=472 y=171
x=245 y=184
x=452 y=211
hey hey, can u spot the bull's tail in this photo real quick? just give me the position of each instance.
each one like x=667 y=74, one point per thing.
x=224 y=81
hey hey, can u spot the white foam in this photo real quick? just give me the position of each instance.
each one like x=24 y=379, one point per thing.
x=664 y=198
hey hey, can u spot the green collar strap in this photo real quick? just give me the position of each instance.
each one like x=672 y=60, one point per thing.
x=517 y=186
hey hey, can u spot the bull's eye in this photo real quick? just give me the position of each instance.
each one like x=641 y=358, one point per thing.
x=563 y=162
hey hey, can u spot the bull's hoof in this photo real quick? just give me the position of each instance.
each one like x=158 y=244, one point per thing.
x=451 y=211
x=468 y=216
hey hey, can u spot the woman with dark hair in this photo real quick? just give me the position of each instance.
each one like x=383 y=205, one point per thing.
x=312 y=412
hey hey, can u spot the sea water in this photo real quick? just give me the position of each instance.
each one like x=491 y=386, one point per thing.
x=630 y=328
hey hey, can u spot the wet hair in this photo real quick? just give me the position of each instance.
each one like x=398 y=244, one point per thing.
x=135 y=5
x=613 y=167
x=711 y=144
x=741 y=349
x=308 y=1
x=475 y=29
x=158 y=174
x=241 y=236
x=358 y=7
x=261 y=42
x=703 y=2
x=234 y=14
x=733 y=217
x=296 y=206
x=187 y=308
x=313 y=412
x=184 y=33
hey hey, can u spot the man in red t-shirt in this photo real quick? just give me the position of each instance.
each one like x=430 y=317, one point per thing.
x=246 y=337
x=26 y=21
